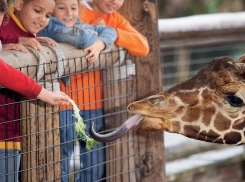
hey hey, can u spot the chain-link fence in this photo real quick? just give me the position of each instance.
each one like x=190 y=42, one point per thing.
x=39 y=142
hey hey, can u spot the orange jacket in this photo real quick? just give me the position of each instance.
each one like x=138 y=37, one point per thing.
x=128 y=37
x=85 y=89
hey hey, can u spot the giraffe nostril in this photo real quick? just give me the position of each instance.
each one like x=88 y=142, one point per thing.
x=130 y=108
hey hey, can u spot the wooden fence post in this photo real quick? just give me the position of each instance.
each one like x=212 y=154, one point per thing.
x=149 y=148
x=41 y=142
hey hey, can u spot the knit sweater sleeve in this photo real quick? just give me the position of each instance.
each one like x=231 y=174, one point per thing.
x=129 y=38
x=15 y=80
x=9 y=40
x=78 y=35
x=107 y=34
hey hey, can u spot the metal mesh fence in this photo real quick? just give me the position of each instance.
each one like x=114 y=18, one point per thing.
x=183 y=62
x=38 y=141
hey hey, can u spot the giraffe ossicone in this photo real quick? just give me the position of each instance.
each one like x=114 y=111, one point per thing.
x=208 y=107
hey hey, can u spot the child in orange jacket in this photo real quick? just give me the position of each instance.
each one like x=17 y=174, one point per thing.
x=105 y=12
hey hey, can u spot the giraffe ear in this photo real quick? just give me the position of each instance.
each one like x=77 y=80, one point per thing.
x=241 y=59
x=240 y=65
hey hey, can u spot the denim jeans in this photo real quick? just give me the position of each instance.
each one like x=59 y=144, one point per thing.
x=9 y=165
x=91 y=161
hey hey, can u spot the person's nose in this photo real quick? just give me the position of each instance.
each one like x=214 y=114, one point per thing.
x=42 y=18
x=68 y=11
x=114 y=1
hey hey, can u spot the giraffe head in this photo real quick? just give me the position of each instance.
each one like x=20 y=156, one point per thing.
x=208 y=107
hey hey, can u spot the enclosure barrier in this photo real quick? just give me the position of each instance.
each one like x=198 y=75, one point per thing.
x=39 y=121
x=138 y=156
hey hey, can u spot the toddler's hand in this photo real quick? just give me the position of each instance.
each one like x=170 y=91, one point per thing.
x=53 y=98
x=94 y=50
x=47 y=41
x=17 y=47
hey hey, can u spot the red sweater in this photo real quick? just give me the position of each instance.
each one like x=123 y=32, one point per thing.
x=13 y=79
x=10 y=31
x=17 y=81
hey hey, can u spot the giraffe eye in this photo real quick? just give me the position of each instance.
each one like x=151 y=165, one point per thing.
x=235 y=101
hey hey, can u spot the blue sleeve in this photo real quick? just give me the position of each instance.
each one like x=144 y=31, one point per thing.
x=80 y=38
x=107 y=34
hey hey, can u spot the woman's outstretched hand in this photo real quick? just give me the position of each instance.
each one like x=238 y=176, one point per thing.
x=53 y=98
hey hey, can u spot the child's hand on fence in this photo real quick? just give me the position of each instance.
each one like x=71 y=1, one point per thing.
x=32 y=42
x=53 y=98
x=94 y=50
x=47 y=41
x=17 y=47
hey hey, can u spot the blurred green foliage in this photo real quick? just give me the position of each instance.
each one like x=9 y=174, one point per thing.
x=179 y=8
x=11 y=2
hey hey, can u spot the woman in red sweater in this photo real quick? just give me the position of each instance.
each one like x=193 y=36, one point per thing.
x=17 y=81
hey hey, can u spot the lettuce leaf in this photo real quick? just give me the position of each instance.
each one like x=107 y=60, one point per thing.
x=80 y=128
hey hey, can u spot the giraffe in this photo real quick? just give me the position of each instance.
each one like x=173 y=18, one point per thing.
x=208 y=107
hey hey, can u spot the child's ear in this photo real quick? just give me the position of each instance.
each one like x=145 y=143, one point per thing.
x=18 y=4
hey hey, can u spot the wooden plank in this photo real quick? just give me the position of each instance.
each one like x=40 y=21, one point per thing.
x=229 y=169
x=144 y=152
x=28 y=128
x=190 y=34
x=119 y=153
x=25 y=61
x=148 y=149
x=41 y=132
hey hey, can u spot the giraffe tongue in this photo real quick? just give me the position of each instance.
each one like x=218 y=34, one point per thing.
x=118 y=133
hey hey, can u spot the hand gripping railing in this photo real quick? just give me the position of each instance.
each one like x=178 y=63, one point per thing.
x=53 y=56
